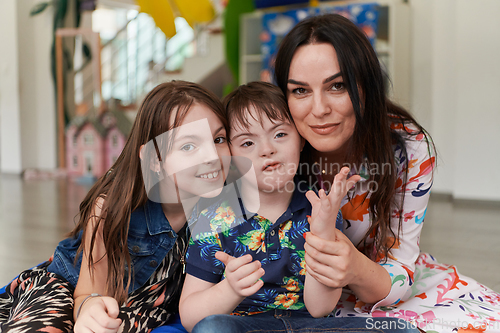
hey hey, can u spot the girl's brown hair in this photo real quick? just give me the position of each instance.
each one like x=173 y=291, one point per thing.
x=122 y=188
x=373 y=138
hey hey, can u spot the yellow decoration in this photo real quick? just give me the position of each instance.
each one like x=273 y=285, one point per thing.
x=195 y=11
x=164 y=11
x=162 y=14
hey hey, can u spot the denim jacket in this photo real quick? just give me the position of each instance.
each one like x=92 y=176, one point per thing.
x=150 y=238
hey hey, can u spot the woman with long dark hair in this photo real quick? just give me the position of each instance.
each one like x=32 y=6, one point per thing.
x=337 y=95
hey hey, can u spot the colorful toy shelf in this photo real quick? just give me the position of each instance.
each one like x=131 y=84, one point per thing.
x=389 y=32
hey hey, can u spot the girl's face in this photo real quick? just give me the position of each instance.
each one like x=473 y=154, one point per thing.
x=198 y=159
x=318 y=100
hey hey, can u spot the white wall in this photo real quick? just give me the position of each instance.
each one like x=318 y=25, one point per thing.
x=10 y=126
x=27 y=105
x=456 y=91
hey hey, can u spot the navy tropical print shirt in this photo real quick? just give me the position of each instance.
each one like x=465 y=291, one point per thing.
x=224 y=226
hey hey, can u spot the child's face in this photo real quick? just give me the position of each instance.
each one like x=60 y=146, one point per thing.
x=198 y=160
x=273 y=148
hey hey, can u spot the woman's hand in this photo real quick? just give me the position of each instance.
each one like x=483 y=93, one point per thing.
x=334 y=263
x=242 y=273
x=338 y=263
x=99 y=315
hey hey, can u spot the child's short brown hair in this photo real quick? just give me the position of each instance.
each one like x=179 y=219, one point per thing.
x=266 y=98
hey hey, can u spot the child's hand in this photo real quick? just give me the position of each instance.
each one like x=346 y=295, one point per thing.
x=325 y=207
x=99 y=314
x=242 y=273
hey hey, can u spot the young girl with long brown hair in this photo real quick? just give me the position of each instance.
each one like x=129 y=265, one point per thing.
x=121 y=269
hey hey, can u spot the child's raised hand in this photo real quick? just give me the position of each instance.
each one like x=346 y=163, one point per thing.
x=242 y=274
x=325 y=207
x=99 y=314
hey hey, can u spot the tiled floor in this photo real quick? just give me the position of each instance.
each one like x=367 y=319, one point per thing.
x=35 y=216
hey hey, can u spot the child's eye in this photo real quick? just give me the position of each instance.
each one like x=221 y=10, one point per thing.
x=188 y=147
x=220 y=139
x=280 y=135
x=247 y=144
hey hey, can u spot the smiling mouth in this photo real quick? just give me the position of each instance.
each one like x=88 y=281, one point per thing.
x=209 y=175
x=324 y=129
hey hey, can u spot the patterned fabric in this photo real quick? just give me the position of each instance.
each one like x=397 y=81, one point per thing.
x=423 y=290
x=40 y=300
x=439 y=300
x=37 y=301
x=278 y=246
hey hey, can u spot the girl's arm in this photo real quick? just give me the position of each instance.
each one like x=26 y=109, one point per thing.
x=200 y=299
x=90 y=312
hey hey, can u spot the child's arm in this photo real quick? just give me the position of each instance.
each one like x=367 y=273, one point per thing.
x=96 y=313
x=320 y=299
x=200 y=299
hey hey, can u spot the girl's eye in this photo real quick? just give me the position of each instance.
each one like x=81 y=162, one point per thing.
x=220 y=139
x=247 y=144
x=338 y=86
x=280 y=135
x=188 y=147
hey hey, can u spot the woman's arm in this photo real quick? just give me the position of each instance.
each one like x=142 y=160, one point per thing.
x=339 y=263
x=94 y=312
x=200 y=299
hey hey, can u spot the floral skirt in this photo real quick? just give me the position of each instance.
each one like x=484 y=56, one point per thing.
x=38 y=300
x=440 y=300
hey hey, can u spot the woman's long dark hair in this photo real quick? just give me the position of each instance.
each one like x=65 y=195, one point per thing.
x=373 y=137
x=122 y=188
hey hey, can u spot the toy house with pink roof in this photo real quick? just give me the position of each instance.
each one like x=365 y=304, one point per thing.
x=94 y=144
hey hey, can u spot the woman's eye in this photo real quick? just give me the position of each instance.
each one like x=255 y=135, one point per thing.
x=338 y=86
x=220 y=139
x=280 y=135
x=246 y=144
x=188 y=147
x=299 y=91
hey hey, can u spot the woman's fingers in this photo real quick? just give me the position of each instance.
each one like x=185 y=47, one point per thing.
x=325 y=279
x=323 y=246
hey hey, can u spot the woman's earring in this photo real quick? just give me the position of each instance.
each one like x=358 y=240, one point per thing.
x=158 y=174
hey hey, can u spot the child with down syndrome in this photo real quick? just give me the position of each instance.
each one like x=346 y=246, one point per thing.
x=245 y=263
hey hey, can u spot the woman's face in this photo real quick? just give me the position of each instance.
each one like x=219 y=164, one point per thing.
x=199 y=156
x=318 y=100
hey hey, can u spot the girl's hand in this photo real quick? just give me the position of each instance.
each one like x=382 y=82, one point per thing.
x=333 y=263
x=325 y=207
x=242 y=273
x=99 y=315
